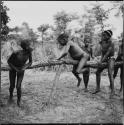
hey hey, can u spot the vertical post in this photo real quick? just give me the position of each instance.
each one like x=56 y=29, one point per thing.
x=123 y=49
x=0 y=79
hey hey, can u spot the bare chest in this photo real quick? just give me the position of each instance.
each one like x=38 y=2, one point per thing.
x=105 y=45
x=22 y=56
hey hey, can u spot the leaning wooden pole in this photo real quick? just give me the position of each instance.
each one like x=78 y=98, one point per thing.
x=53 y=89
x=91 y=64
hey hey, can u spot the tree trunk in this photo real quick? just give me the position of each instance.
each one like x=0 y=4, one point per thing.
x=123 y=54
x=42 y=39
x=91 y=64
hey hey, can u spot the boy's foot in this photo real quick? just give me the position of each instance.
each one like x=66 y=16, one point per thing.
x=110 y=87
x=120 y=90
x=18 y=103
x=79 y=81
x=111 y=95
x=98 y=90
x=10 y=100
x=85 y=90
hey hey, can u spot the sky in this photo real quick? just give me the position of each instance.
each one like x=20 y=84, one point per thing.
x=36 y=13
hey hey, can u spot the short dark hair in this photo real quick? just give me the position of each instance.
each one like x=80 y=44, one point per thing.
x=63 y=36
x=24 y=43
x=108 y=32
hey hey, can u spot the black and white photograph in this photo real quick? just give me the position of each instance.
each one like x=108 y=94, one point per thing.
x=62 y=62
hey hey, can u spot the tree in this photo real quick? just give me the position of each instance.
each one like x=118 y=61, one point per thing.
x=100 y=15
x=4 y=29
x=43 y=28
x=15 y=29
x=62 y=20
x=89 y=30
x=120 y=6
x=28 y=33
x=4 y=20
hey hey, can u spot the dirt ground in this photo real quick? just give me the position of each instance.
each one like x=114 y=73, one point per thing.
x=70 y=105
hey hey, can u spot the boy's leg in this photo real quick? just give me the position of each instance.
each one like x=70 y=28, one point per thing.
x=115 y=72
x=81 y=64
x=76 y=75
x=116 y=68
x=121 y=78
x=110 y=74
x=98 y=79
x=12 y=77
x=20 y=76
x=86 y=78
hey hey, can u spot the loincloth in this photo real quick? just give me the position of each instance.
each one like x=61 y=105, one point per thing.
x=79 y=57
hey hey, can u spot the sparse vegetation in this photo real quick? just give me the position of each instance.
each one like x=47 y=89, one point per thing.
x=71 y=104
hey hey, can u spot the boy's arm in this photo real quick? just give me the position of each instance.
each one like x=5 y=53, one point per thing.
x=10 y=62
x=91 y=52
x=29 y=63
x=107 y=54
x=12 y=66
x=65 y=51
x=63 y=55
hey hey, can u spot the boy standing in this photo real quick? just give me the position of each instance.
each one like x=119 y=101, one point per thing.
x=119 y=58
x=86 y=73
x=17 y=63
x=107 y=56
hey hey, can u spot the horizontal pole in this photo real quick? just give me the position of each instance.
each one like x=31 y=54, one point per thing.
x=91 y=64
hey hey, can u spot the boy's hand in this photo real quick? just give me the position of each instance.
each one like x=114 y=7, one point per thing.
x=65 y=61
x=23 y=69
x=20 y=70
x=17 y=70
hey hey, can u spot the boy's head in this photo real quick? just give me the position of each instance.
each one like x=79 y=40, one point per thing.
x=87 y=42
x=25 y=44
x=63 y=39
x=107 y=34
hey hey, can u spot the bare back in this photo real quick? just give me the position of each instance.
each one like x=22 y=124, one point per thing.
x=75 y=51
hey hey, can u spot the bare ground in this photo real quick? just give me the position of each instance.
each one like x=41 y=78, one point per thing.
x=70 y=105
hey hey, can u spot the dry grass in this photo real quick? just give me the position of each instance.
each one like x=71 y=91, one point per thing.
x=70 y=105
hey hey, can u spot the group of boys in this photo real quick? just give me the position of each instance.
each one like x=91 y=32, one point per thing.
x=17 y=62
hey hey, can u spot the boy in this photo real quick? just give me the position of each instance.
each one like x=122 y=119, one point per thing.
x=119 y=58
x=86 y=73
x=75 y=52
x=17 y=63
x=107 y=56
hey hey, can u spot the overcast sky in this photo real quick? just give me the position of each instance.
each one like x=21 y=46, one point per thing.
x=36 y=13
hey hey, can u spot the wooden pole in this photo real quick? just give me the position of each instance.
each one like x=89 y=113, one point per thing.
x=91 y=64
x=53 y=90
